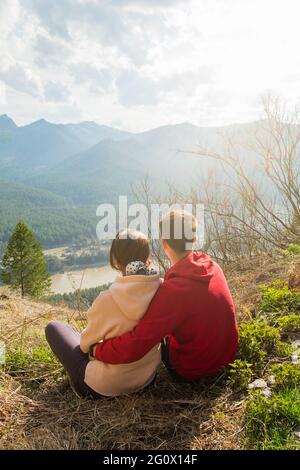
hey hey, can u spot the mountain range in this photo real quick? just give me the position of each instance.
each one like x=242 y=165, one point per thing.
x=72 y=167
x=75 y=159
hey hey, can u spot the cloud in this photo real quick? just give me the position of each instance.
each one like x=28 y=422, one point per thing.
x=131 y=32
x=97 y=79
x=56 y=92
x=142 y=3
x=53 y=15
x=21 y=78
x=188 y=81
x=216 y=97
x=50 y=51
x=9 y=13
x=135 y=90
x=146 y=62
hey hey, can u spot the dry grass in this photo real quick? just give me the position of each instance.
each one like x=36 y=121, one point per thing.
x=43 y=413
x=244 y=278
x=166 y=417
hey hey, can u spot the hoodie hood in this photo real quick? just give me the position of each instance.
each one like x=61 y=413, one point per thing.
x=197 y=265
x=133 y=294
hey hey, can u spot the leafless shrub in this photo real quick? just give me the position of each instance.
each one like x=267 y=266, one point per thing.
x=256 y=211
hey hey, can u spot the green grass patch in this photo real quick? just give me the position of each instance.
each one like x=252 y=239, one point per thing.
x=289 y=324
x=33 y=365
x=240 y=373
x=293 y=249
x=277 y=298
x=286 y=375
x=259 y=341
x=271 y=422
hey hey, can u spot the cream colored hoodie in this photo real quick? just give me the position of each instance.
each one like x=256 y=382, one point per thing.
x=113 y=313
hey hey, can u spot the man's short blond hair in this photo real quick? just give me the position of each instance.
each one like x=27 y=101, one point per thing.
x=179 y=229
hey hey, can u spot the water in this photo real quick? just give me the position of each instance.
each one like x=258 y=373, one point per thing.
x=84 y=279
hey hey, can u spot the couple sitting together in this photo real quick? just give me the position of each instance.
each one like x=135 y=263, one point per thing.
x=186 y=320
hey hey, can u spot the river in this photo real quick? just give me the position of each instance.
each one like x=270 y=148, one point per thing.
x=84 y=279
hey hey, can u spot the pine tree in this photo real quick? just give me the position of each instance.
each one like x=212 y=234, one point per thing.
x=23 y=265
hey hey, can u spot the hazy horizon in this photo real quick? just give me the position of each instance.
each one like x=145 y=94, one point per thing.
x=124 y=129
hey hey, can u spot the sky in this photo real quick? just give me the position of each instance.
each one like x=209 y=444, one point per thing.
x=138 y=64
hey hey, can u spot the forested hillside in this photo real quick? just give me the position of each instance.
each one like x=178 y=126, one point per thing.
x=52 y=218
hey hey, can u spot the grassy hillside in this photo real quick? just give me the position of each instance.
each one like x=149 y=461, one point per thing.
x=39 y=410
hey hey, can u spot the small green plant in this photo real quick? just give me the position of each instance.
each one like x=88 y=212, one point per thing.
x=18 y=360
x=15 y=360
x=289 y=324
x=286 y=375
x=258 y=340
x=293 y=249
x=271 y=422
x=240 y=373
x=32 y=365
x=278 y=298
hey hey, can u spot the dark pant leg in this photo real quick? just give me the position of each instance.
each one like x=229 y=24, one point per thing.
x=64 y=341
x=165 y=345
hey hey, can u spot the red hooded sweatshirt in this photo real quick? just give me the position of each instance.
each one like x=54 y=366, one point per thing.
x=194 y=307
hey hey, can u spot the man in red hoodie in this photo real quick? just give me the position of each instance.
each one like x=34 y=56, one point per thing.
x=192 y=312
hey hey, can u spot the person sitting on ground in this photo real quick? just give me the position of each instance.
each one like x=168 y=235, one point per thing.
x=192 y=312
x=115 y=311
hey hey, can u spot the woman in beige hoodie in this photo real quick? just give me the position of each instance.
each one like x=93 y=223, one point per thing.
x=114 y=312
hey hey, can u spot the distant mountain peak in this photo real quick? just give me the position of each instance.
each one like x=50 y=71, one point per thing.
x=6 y=123
x=40 y=122
x=89 y=123
x=185 y=124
